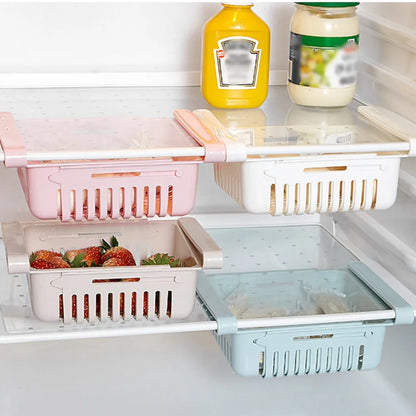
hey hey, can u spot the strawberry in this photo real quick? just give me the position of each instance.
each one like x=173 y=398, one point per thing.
x=116 y=262
x=44 y=255
x=44 y=259
x=43 y=264
x=91 y=257
x=159 y=259
x=116 y=252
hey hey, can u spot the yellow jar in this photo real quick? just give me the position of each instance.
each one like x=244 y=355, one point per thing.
x=235 y=58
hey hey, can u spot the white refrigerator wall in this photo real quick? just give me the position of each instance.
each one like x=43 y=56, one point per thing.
x=134 y=38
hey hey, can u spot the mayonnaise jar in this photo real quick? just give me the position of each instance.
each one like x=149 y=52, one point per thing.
x=323 y=54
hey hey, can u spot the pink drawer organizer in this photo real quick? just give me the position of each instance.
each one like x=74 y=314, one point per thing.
x=141 y=179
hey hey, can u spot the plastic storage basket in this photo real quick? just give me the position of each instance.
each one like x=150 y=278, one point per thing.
x=329 y=320
x=113 y=293
x=306 y=169
x=141 y=167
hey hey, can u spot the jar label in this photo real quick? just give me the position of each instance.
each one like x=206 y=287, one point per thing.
x=321 y=62
x=237 y=61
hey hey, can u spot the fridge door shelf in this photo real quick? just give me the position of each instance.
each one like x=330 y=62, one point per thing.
x=297 y=297
x=114 y=293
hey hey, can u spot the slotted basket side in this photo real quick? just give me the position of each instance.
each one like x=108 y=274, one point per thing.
x=307 y=351
x=105 y=191
x=292 y=187
x=91 y=297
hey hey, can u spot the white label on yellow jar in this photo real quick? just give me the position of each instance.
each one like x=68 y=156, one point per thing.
x=237 y=61
x=323 y=62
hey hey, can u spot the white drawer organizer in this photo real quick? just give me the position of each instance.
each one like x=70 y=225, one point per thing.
x=311 y=166
x=114 y=293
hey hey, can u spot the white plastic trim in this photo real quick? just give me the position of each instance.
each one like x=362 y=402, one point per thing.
x=393 y=123
x=113 y=79
x=386 y=238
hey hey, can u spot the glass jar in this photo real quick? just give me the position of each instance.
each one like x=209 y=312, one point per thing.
x=235 y=57
x=323 y=54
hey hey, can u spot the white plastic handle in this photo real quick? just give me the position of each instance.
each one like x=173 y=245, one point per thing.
x=14 y=242
x=212 y=257
x=392 y=123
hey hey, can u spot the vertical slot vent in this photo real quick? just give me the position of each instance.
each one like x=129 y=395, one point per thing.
x=98 y=305
x=261 y=363
x=170 y=200
x=157 y=303
x=86 y=307
x=110 y=305
x=146 y=200
x=169 y=304
x=374 y=200
x=122 y=202
x=297 y=362
x=341 y=195
x=308 y=197
x=363 y=192
x=74 y=307
x=339 y=358
x=273 y=199
x=275 y=364
x=329 y=360
x=286 y=363
x=145 y=303
x=330 y=196
x=134 y=304
x=352 y=194
x=361 y=357
x=350 y=357
x=61 y=306
x=319 y=197
x=285 y=198
x=297 y=198
x=307 y=361
x=122 y=298
x=134 y=205
x=158 y=197
x=318 y=360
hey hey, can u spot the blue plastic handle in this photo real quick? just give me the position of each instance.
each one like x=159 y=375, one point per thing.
x=227 y=322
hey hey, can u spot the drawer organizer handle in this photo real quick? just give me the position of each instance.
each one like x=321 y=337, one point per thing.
x=404 y=312
x=212 y=257
x=214 y=148
x=13 y=147
x=14 y=241
x=226 y=321
x=392 y=123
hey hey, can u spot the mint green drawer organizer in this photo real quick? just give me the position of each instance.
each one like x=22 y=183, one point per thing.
x=301 y=349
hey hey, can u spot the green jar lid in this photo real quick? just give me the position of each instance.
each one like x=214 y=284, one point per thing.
x=329 y=4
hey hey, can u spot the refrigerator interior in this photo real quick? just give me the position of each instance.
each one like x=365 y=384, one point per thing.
x=159 y=368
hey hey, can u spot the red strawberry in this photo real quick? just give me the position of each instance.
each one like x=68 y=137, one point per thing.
x=43 y=264
x=91 y=257
x=44 y=259
x=116 y=262
x=115 y=251
x=44 y=255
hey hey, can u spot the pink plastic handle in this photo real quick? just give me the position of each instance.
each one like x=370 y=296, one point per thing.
x=13 y=147
x=214 y=148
